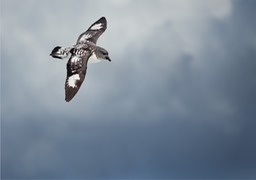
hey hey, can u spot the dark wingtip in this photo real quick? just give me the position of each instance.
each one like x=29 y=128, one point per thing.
x=103 y=19
x=68 y=96
x=67 y=100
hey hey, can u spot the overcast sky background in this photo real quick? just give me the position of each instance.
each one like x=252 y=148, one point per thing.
x=177 y=100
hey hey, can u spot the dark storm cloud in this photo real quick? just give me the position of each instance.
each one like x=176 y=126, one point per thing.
x=180 y=104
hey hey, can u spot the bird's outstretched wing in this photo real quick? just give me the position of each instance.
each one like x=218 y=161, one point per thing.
x=76 y=71
x=94 y=31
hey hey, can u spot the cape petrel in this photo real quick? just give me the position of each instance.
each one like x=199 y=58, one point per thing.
x=84 y=50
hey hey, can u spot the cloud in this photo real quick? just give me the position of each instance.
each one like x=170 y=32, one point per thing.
x=177 y=99
x=142 y=29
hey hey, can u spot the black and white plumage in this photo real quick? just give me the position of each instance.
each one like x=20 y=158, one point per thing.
x=81 y=52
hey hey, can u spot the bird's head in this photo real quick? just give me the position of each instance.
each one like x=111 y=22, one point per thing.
x=102 y=53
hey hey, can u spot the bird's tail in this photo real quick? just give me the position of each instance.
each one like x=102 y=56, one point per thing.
x=60 y=52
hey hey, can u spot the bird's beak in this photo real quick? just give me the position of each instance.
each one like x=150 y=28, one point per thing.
x=108 y=59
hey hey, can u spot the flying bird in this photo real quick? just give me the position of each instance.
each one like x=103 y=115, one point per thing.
x=84 y=50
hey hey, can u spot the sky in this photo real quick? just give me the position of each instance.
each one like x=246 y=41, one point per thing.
x=177 y=101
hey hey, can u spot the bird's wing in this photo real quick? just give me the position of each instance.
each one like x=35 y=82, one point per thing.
x=94 y=31
x=76 y=71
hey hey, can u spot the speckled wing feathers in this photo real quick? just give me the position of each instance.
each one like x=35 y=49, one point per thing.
x=76 y=71
x=94 y=31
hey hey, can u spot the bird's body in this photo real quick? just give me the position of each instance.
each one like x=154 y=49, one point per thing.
x=84 y=49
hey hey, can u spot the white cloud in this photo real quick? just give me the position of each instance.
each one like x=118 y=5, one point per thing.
x=132 y=26
x=175 y=80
